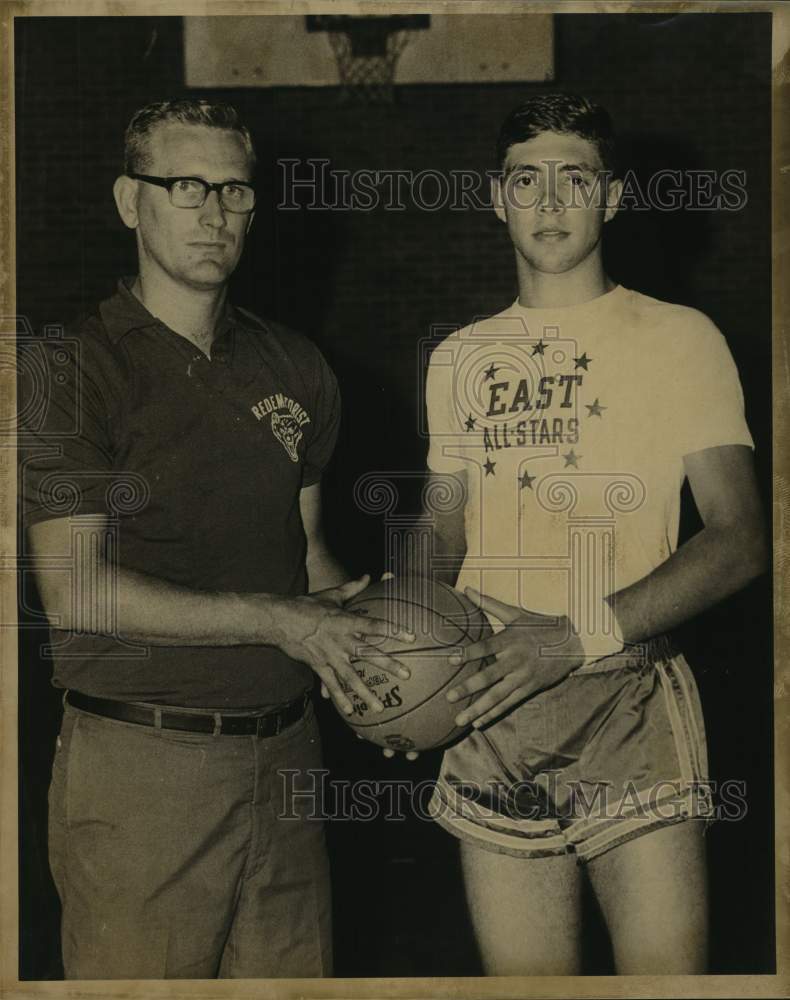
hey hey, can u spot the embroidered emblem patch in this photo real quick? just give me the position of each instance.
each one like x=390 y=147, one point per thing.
x=286 y=429
x=287 y=420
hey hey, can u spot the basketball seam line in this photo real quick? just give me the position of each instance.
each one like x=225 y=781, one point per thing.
x=412 y=604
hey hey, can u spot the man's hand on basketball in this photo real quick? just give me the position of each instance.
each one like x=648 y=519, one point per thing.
x=318 y=631
x=533 y=652
x=410 y=754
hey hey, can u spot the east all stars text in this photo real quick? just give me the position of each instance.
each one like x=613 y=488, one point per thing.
x=552 y=391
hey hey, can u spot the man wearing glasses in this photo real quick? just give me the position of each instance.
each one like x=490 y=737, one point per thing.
x=189 y=437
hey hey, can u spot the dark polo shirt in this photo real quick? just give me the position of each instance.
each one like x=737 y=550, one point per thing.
x=198 y=463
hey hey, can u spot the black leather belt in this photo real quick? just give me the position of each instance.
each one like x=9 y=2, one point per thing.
x=269 y=724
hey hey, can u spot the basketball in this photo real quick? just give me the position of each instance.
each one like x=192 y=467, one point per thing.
x=417 y=714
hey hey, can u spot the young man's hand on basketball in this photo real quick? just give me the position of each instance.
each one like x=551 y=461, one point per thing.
x=318 y=631
x=533 y=652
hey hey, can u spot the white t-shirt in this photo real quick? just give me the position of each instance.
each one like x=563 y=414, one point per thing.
x=572 y=424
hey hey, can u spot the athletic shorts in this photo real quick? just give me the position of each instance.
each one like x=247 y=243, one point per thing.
x=614 y=751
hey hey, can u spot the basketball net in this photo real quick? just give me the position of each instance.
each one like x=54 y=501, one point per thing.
x=367 y=79
x=366 y=60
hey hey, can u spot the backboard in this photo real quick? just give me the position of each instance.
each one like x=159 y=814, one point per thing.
x=283 y=50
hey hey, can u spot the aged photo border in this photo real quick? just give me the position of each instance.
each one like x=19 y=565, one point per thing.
x=702 y=986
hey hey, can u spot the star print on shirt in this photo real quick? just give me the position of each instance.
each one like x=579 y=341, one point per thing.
x=596 y=410
x=470 y=423
x=491 y=372
x=539 y=348
x=572 y=459
x=489 y=467
x=583 y=361
x=526 y=480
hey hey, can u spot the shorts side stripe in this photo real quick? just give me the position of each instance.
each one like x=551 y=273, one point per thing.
x=693 y=715
x=683 y=725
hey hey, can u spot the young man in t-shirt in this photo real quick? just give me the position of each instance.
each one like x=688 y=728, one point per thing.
x=571 y=420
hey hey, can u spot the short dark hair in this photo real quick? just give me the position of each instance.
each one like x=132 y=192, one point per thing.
x=186 y=111
x=564 y=113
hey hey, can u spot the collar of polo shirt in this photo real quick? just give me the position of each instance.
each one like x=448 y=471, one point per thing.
x=124 y=312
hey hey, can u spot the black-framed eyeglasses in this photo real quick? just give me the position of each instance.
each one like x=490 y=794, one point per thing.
x=191 y=192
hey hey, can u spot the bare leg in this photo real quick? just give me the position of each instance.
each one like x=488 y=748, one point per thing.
x=525 y=913
x=653 y=893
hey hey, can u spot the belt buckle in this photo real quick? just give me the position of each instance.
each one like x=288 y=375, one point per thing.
x=259 y=724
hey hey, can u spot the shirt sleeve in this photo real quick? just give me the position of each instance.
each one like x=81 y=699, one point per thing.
x=445 y=437
x=64 y=442
x=706 y=399
x=326 y=409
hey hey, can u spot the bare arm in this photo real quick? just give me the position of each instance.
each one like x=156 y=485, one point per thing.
x=449 y=534
x=100 y=597
x=135 y=605
x=323 y=569
x=730 y=550
x=724 y=556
